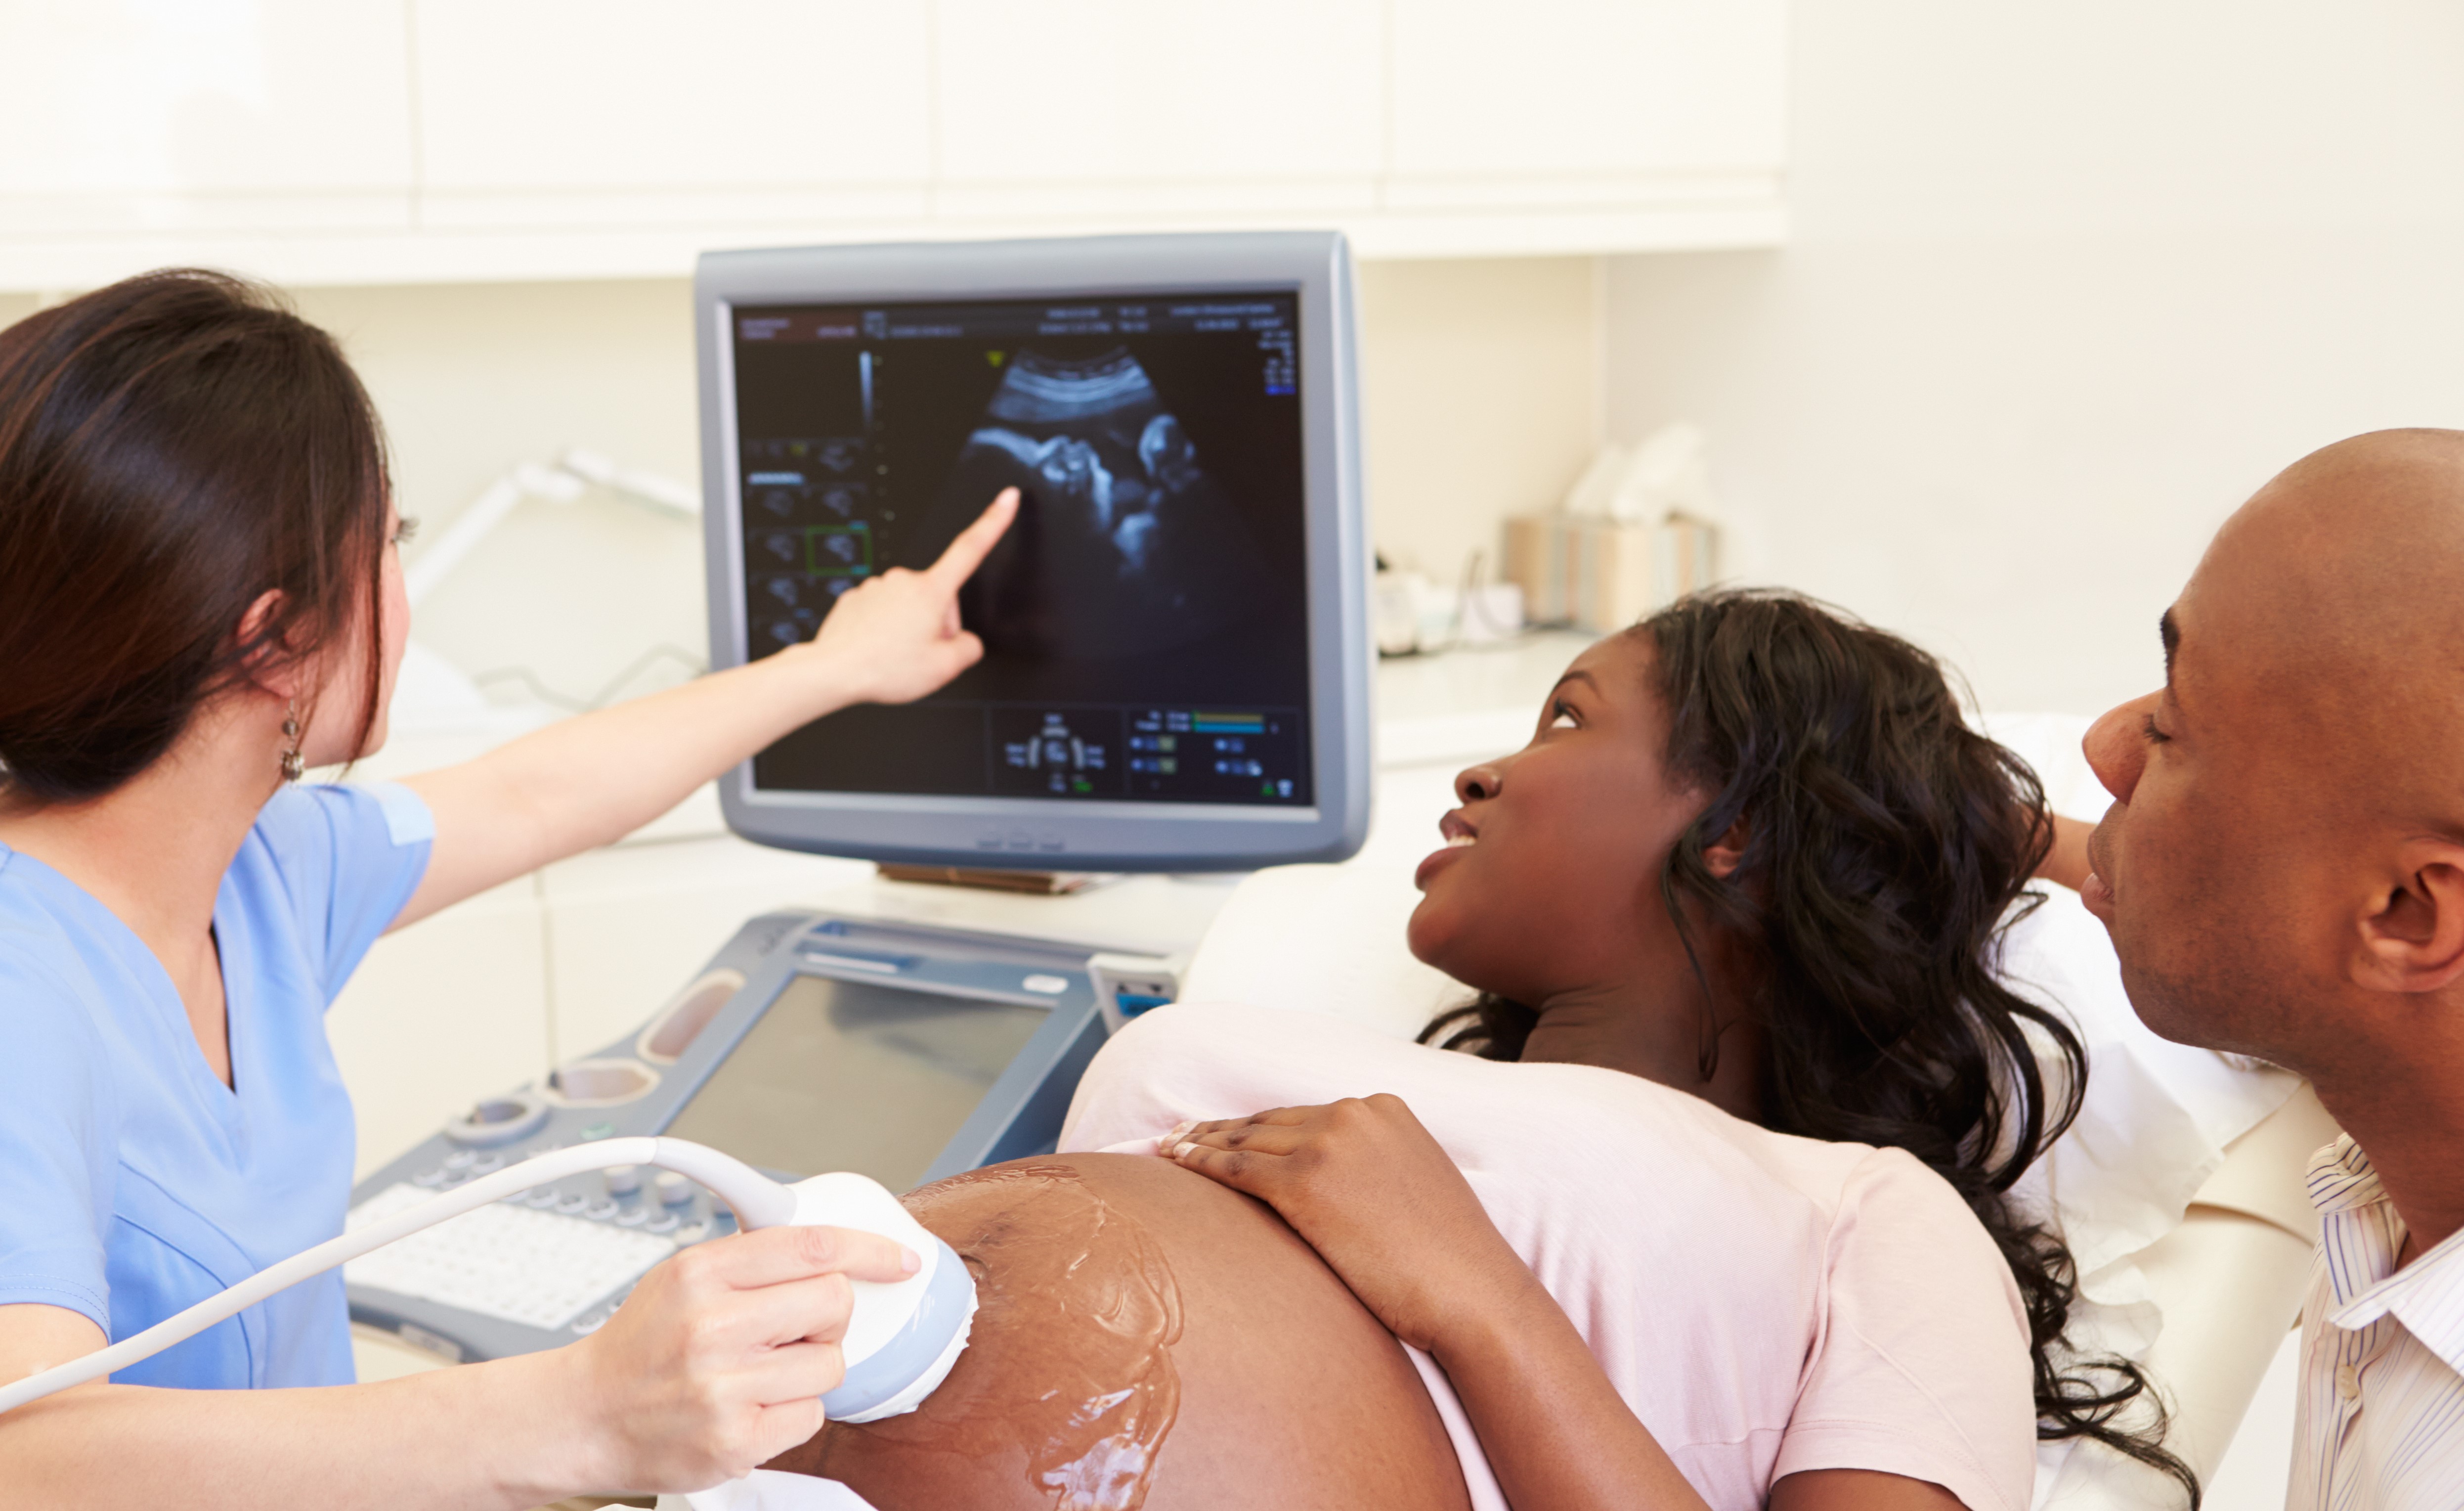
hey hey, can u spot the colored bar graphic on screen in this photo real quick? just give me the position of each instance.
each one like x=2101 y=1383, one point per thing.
x=1229 y=723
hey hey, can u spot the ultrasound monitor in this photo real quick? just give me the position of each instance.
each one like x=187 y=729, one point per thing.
x=1176 y=645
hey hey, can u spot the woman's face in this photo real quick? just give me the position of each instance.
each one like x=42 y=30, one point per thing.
x=1550 y=882
x=332 y=736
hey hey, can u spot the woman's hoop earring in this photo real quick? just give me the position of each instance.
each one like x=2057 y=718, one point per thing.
x=293 y=764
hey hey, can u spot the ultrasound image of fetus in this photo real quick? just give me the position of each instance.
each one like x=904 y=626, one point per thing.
x=1125 y=545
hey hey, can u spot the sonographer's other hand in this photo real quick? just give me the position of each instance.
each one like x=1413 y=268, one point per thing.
x=718 y=1359
x=896 y=636
x=1373 y=1193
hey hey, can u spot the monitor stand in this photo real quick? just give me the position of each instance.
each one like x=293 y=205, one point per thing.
x=1035 y=884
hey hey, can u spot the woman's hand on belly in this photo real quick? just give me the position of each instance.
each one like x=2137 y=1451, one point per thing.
x=1375 y=1196
x=1373 y=1193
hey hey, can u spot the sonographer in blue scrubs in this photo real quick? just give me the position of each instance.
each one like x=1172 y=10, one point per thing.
x=110 y=1111
x=199 y=597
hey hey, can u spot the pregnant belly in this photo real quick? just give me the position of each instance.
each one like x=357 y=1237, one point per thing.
x=1146 y=1338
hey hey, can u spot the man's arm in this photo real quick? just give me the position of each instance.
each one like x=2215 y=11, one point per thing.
x=2067 y=861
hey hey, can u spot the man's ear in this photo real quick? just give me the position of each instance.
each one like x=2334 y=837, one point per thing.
x=1723 y=855
x=2412 y=936
x=273 y=667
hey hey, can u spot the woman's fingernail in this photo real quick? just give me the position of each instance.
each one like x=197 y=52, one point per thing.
x=1179 y=1131
x=909 y=1259
x=1181 y=1150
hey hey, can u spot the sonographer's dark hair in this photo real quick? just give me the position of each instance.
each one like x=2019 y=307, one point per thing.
x=172 y=448
x=1887 y=849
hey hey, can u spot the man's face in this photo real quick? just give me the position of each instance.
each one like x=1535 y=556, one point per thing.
x=2202 y=861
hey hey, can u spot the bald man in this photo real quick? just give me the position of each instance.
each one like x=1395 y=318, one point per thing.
x=2282 y=872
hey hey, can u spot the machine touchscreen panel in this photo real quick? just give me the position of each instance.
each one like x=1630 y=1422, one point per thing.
x=1145 y=621
x=848 y=1076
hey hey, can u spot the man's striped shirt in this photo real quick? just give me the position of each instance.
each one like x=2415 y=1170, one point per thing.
x=2381 y=1418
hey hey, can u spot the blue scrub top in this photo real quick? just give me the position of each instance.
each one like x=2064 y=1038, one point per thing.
x=133 y=1184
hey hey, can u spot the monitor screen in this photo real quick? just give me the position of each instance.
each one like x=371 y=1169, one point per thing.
x=1176 y=674
x=848 y=1076
x=1145 y=620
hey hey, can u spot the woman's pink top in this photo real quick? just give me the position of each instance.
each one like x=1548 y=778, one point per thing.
x=1766 y=1304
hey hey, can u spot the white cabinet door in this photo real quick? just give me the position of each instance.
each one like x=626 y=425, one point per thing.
x=163 y=117
x=1106 y=108
x=386 y=141
x=1630 y=122
x=1555 y=87
x=613 y=113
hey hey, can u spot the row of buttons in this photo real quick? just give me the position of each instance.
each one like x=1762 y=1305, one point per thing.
x=598 y=1317
x=590 y=1321
x=578 y=1204
x=673 y=1191
x=464 y=1163
x=1020 y=841
x=460 y=1165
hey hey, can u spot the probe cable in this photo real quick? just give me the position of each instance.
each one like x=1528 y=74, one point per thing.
x=759 y=1202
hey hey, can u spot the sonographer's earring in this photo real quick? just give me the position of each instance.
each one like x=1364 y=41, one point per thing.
x=293 y=764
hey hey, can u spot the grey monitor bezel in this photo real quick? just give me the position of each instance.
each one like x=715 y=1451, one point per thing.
x=1073 y=835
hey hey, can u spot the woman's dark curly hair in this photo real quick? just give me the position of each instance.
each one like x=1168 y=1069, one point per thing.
x=1887 y=847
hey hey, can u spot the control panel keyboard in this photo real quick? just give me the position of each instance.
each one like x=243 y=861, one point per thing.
x=509 y=1260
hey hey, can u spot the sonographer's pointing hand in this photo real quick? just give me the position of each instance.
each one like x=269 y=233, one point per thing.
x=593 y=779
x=718 y=1359
x=897 y=635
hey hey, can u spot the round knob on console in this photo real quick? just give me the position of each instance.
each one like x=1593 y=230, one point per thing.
x=674 y=1190
x=624 y=1180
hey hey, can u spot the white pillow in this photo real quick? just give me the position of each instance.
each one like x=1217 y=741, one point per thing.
x=1323 y=939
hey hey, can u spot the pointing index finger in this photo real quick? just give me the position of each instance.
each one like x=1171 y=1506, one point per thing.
x=975 y=541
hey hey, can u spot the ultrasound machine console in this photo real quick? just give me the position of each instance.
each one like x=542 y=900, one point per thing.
x=1176 y=677
x=808 y=1043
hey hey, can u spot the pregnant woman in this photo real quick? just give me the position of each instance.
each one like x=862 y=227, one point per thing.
x=1712 y=1215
